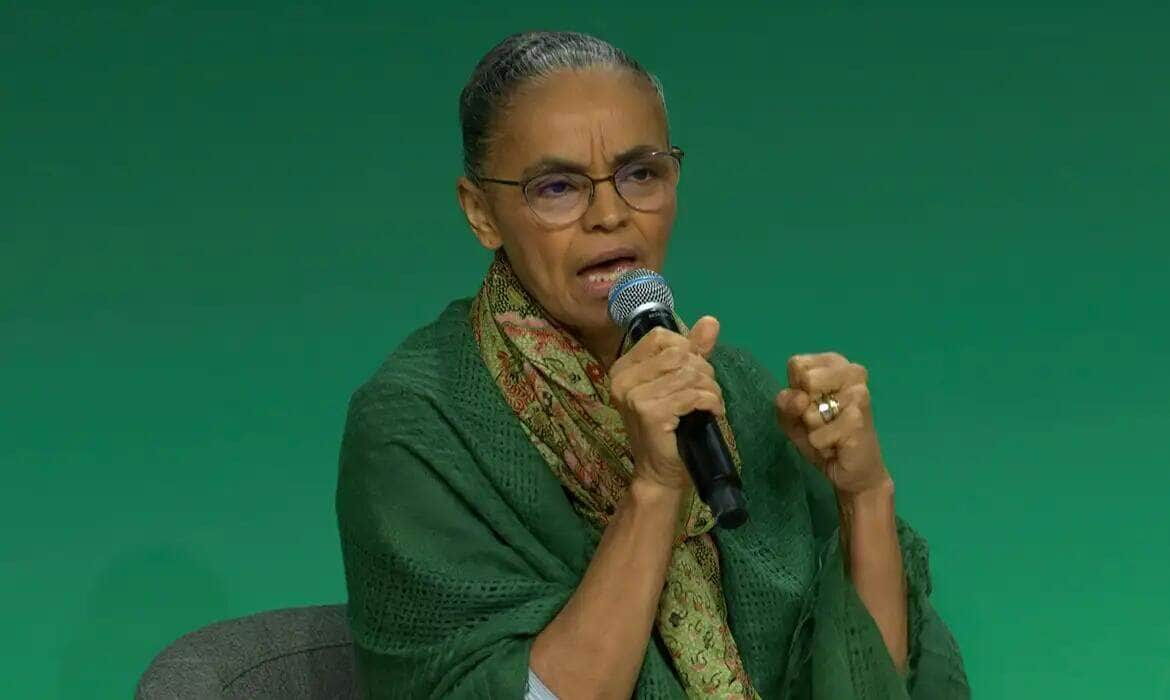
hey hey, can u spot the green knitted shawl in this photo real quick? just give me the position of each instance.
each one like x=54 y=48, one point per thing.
x=460 y=545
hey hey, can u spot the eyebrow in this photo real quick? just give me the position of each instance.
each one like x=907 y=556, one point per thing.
x=553 y=164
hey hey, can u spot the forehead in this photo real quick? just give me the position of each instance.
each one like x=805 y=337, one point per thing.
x=579 y=116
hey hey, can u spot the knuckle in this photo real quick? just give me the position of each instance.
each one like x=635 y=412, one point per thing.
x=652 y=342
x=856 y=419
x=699 y=398
x=657 y=335
x=635 y=398
x=811 y=415
x=674 y=356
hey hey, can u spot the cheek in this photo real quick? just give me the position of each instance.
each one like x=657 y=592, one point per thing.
x=656 y=229
x=539 y=256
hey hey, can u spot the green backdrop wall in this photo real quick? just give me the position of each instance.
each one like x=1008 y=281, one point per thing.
x=217 y=220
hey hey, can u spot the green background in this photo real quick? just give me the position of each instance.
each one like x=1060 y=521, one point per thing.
x=217 y=220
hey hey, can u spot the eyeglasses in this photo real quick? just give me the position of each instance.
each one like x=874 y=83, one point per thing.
x=647 y=184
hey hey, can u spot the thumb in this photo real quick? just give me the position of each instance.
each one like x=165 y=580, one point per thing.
x=790 y=407
x=704 y=334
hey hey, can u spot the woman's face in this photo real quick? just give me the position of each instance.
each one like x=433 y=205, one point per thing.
x=592 y=121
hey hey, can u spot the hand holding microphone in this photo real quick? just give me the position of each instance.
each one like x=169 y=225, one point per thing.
x=663 y=377
x=668 y=397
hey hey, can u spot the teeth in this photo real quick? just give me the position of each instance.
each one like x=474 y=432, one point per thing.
x=611 y=275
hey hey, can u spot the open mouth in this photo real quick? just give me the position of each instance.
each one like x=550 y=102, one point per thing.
x=608 y=270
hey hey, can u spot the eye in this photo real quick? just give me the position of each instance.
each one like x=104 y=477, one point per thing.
x=553 y=186
x=640 y=173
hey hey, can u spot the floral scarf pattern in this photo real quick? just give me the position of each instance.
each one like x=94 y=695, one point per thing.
x=560 y=393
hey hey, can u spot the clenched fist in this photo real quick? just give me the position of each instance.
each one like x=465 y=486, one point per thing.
x=846 y=449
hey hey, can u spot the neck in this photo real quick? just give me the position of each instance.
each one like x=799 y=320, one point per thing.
x=602 y=344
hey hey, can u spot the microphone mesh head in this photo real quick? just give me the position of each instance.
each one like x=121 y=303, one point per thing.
x=635 y=288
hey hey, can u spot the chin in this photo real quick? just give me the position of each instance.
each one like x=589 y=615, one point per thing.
x=591 y=318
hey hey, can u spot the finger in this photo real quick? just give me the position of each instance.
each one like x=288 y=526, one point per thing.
x=670 y=359
x=791 y=403
x=849 y=423
x=680 y=403
x=673 y=359
x=687 y=376
x=649 y=346
x=654 y=342
x=677 y=357
x=704 y=334
x=628 y=380
x=823 y=380
x=852 y=395
x=855 y=395
x=700 y=363
x=673 y=406
x=799 y=364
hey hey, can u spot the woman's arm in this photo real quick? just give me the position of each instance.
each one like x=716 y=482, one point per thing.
x=934 y=664
x=869 y=538
x=840 y=439
x=595 y=646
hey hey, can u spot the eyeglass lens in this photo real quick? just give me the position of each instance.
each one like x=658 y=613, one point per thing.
x=646 y=184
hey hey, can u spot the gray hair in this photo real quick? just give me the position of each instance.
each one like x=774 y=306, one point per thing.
x=522 y=58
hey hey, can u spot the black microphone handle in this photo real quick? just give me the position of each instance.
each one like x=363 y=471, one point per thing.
x=700 y=442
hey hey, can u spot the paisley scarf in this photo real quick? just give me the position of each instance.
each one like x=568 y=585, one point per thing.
x=560 y=393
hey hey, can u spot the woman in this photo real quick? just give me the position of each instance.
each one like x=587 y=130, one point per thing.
x=514 y=513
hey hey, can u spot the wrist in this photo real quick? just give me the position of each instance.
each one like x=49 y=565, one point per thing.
x=865 y=517
x=877 y=498
x=649 y=493
x=653 y=507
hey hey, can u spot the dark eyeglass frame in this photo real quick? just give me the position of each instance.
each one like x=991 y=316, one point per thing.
x=674 y=152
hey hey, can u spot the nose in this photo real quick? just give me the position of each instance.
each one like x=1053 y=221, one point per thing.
x=608 y=211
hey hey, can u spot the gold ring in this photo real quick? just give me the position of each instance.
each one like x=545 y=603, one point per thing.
x=828 y=407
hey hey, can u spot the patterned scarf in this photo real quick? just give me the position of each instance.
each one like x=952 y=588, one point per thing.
x=560 y=393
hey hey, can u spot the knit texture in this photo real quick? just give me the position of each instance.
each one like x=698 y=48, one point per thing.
x=560 y=393
x=460 y=545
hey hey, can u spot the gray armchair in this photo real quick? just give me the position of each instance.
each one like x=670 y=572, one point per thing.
x=292 y=653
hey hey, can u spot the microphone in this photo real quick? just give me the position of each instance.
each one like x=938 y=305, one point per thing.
x=640 y=301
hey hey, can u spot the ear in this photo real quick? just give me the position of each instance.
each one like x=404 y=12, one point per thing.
x=473 y=200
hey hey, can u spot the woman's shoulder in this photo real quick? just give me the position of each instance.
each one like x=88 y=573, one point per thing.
x=423 y=364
